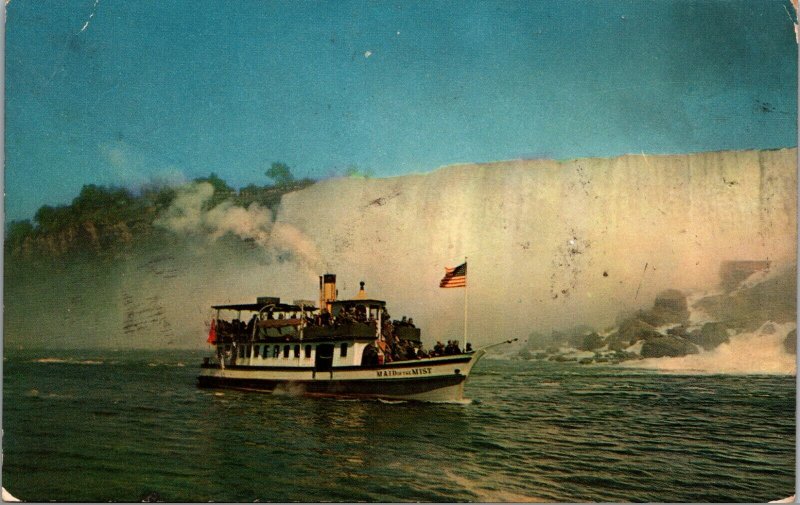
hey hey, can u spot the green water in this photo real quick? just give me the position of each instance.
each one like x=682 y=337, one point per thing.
x=102 y=425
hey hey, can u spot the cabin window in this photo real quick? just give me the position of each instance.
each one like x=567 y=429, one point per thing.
x=343 y=352
x=276 y=351
x=286 y=349
x=241 y=352
x=249 y=350
x=266 y=352
x=308 y=351
x=297 y=351
x=256 y=350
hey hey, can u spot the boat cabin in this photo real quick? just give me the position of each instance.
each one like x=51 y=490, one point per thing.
x=338 y=333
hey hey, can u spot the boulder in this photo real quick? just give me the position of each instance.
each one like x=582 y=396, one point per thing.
x=670 y=307
x=790 y=342
x=710 y=336
x=678 y=331
x=732 y=273
x=591 y=342
x=671 y=300
x=747 y=308
x=634 y=330
x=667 y=346
x=615 y=343
x=625 y=355
x=650 y=317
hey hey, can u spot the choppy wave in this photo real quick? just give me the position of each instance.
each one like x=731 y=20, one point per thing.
x=69 y=361
x=463 y=401
x=485 y=493
x=391 y=402
x=178 y=364
x=534 y=431
x=758 y=352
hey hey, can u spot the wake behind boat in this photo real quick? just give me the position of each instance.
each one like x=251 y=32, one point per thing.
x=342 y=348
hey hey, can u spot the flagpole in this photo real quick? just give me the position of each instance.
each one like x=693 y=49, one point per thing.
x=466 y=287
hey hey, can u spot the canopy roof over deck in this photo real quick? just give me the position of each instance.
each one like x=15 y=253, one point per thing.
x=358 y=301
x=256 y=307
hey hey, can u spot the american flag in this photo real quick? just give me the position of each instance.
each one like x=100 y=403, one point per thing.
x=454 y=277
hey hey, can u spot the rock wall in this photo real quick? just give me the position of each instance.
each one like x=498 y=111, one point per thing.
x=550 y=243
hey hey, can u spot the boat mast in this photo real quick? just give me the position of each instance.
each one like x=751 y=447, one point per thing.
x=466 y=288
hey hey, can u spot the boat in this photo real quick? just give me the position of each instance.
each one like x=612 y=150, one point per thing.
x=339 y=348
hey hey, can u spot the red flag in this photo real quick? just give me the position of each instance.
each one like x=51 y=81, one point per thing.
x=212 y=333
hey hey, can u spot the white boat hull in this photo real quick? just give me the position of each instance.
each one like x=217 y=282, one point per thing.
x=433 y=379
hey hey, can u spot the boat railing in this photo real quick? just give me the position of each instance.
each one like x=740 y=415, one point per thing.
x=350 y=329
x=277 y=328
x=408 y=333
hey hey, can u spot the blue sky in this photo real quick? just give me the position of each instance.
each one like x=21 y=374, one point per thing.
x=178 y=89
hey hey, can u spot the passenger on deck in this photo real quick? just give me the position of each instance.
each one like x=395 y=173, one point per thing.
x=411 y=322
x=388 y=330
x=452 y=348
x=469 y=347
x=424 y=353
x=370 y=356
x=438 y=349
x=251 y=324
x=386 y=351
x=410 y=352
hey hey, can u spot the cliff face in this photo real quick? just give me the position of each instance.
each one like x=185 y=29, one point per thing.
x=87 y=236
x=550 y=244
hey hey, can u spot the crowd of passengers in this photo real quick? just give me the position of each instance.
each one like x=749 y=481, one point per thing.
x=237 y=328
x=351 y=315
x=390 y=348
x=395 y=349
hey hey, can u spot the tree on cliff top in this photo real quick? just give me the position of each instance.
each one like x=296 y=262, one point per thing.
x=102 y=205
x=221 y=190
x=280 y=173
x=17 y=232
x=53 y=219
